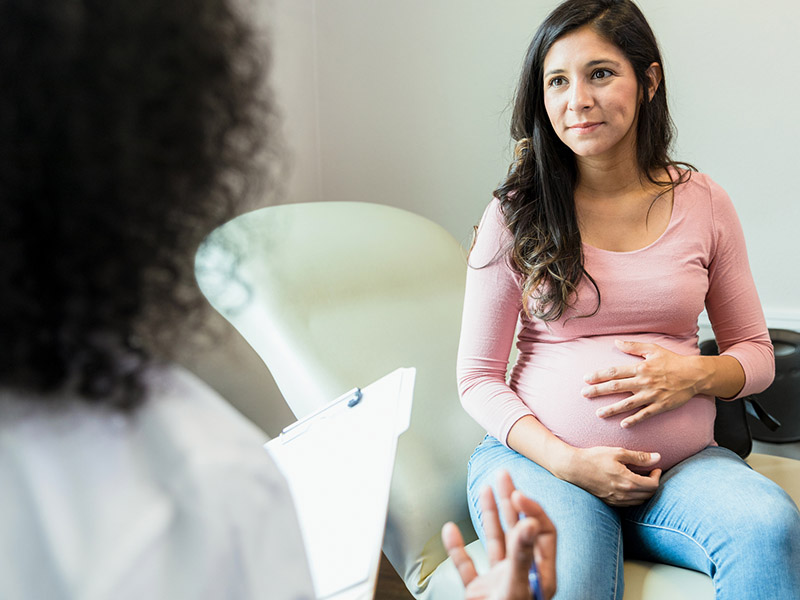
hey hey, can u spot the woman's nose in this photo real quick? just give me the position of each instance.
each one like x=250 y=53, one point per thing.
x=580 y=97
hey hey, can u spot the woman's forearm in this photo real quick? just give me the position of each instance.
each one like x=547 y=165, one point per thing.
x=723 y=376
x=534 y=441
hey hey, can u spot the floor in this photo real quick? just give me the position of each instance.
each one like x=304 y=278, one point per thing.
x=390 y=586
x=791 y=450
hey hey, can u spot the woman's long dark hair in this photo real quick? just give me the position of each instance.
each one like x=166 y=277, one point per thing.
x=537 y=196
x=128 y=130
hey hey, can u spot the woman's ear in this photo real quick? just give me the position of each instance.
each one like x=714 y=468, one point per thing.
x=654 y=76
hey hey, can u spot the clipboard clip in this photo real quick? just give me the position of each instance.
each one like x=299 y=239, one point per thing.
x=351 y=398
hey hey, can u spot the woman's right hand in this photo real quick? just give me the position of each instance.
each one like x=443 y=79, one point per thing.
x=604 y=472
x=601 y=471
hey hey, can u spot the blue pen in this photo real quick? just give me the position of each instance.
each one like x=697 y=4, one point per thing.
x=533 y=579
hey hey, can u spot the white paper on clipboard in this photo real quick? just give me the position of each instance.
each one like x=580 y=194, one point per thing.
x=338 y=463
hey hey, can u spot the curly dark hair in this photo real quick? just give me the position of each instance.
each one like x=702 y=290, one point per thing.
x=537 y=196
x=128 y=130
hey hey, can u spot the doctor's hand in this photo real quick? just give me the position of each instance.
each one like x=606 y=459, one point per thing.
x=663 y=381
x=512 y=553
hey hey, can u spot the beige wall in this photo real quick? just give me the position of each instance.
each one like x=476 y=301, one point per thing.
x=291 y=25
x=229 y=364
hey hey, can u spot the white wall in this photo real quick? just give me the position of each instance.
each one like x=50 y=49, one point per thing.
x=406 y=103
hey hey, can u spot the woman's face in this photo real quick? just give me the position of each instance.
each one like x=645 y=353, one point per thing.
x=592 y=96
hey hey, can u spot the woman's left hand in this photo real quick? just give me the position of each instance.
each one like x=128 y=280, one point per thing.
x=663 y=381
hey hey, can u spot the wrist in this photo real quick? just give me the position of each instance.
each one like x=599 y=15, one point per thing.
x=703 y=369
x=564 y=460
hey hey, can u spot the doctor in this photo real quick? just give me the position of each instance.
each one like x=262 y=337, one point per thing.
x=128 y=131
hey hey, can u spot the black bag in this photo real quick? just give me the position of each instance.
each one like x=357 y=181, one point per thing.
x=782 y=398
x=731 y=429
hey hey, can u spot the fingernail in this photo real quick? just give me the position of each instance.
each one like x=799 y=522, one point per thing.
x=586 y=391
x=655 y=456
x=601 y=412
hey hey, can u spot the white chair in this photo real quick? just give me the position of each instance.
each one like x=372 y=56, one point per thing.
x=337 y=294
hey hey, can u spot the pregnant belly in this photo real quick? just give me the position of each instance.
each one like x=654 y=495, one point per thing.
x=550 y=379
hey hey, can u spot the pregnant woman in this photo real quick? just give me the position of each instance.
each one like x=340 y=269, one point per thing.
x=599 y=251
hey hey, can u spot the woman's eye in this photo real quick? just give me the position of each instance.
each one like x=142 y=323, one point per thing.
x=601 y=74
x=556 y=82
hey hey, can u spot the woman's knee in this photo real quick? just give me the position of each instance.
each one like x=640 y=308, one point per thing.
x=766 y=542
x=771 y=528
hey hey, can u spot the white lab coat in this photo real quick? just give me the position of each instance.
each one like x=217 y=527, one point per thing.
x=178 y=500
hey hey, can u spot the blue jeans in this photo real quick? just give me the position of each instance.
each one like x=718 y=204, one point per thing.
x=711 y=513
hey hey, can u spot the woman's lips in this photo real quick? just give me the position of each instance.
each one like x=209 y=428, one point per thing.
x=587 y=127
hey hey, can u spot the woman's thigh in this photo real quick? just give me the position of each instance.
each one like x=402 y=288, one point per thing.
x=589 y=559
x=714 y=514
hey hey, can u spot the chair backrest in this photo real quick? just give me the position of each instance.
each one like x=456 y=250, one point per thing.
x=337 y=294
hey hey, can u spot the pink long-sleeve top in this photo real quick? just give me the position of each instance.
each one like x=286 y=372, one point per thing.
x=654 y=294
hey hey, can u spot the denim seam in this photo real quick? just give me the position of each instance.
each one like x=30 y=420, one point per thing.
x=478 y=513
x=616 y=564
x=471 y=499
x=679 y=532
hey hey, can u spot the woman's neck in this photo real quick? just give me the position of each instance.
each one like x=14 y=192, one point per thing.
x=606 y=178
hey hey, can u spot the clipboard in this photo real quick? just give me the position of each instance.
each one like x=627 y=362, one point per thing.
x=338 y=463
